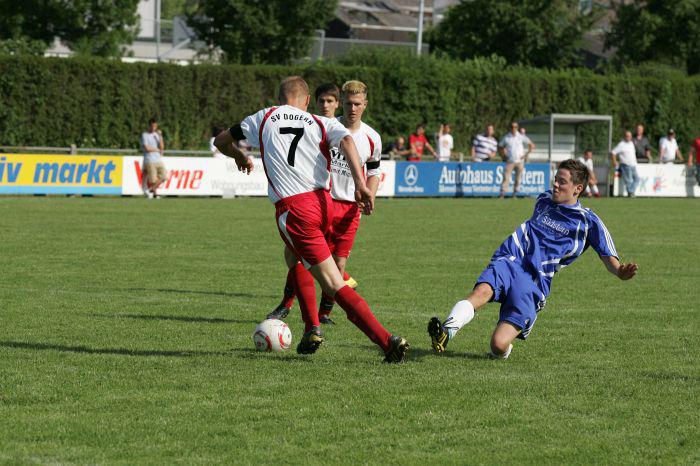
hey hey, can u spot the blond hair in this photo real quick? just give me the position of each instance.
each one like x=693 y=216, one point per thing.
x=354 y=87
x=291 y=88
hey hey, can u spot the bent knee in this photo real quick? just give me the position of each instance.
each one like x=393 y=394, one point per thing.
x=500 y=344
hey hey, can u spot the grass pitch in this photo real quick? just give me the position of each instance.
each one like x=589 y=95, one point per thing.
x=126 y=337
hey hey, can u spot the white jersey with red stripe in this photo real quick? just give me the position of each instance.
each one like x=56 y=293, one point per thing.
x=295 y=148
x=369 y=147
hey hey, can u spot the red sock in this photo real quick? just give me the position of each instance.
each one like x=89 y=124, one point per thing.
x=361 y=315
x=326 y=306
x=306 y=290
x=346 y=276
x=288 y=298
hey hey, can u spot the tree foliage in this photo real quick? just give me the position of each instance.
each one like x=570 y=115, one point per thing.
x=91 y=27
x=260 y=31
x=657 y=31
x=540 y=33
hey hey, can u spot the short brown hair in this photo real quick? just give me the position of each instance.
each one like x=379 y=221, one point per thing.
x=292 y=87
x=327 y=88
x=579 y=172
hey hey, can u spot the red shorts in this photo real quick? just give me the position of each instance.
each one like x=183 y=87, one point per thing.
x=303 y=221
x=346 y=220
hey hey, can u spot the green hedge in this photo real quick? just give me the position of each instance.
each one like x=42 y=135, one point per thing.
x=104 y=103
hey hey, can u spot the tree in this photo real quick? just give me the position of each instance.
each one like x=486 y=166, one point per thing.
x=540 y=33
x=94 y=27
x=657 y=31
x=260 y=31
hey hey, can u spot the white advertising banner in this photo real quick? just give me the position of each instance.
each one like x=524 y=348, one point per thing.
x=661 y=180
x=197 y=176
x=388 y=179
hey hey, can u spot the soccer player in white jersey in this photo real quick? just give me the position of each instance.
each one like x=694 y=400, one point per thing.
x=294 y=147
x=327 y=97
x=346 y=213
x=520 y=273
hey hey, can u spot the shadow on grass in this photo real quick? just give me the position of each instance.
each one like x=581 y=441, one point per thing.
x=419 y=353
x=231 y=294
x=251 y=353
x=114 y=351
x=207 y=320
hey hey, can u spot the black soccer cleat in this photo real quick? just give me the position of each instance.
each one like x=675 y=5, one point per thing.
x=279 y=313
x=398 y=348
x=325 y=319
x=310 y=342
x=438 y=336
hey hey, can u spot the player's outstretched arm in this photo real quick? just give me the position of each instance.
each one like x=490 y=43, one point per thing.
x=226 y=145
x=621 y=271
x=363 y=195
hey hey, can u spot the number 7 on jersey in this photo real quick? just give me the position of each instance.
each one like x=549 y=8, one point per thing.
x=298 y=133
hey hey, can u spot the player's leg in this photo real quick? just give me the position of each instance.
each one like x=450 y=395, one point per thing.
x=502 y=340
x=506 y=178
x=298 y=237
x=346 y=221
x=288 y=294
x=518 y=167
x=461 y=314
x=358 y=311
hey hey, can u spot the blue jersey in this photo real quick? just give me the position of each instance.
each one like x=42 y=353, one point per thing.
x=553 y=238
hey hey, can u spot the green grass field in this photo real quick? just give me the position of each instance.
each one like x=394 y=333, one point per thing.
x=126 y=337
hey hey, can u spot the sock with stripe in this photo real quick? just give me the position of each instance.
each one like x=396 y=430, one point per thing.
x=360 y=314
x=306 y=291
x=462 y=313
x=288 y=297
x=326 y=306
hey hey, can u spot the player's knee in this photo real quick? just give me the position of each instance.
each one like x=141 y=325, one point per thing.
x=500 y=344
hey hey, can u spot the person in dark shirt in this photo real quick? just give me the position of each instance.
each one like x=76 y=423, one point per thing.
x=642 y=148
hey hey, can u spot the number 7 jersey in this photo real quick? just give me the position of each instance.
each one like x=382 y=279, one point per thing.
x=295 y=148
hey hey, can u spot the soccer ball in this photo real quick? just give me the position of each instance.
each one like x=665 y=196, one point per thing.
x=272 y=335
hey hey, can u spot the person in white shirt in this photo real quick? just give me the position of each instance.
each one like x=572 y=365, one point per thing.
x=592 y=186
x=154 y=173
x=445 y=143
x=624 y=157
x=668 y=148
x=512 y=147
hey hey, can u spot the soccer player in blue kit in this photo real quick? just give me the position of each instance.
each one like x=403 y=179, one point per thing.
x=520 y=273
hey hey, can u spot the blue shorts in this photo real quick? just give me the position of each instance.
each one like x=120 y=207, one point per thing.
x=515 y=290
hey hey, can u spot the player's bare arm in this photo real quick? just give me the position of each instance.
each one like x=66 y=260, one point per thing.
x=373 y=184
x=363 y=195
x=621 y=271
x=226 y=145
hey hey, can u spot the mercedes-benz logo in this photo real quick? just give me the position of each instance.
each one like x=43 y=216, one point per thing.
x=411 y=175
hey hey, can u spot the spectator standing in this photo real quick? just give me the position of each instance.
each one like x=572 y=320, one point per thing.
x=484 y=146
x=445 y=143
x=642 y=148
x=694 y=155
x=592 y=187
x=418 y=143
x=153 y=167
x=668 y=148
x=624 y=150
x=512 y=147
x=398 y=149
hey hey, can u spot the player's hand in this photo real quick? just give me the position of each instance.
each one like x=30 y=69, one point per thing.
x=627 y=271
x=365 y=199
x=244 y=164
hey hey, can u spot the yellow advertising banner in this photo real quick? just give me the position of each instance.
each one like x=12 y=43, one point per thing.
x=60 y=174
